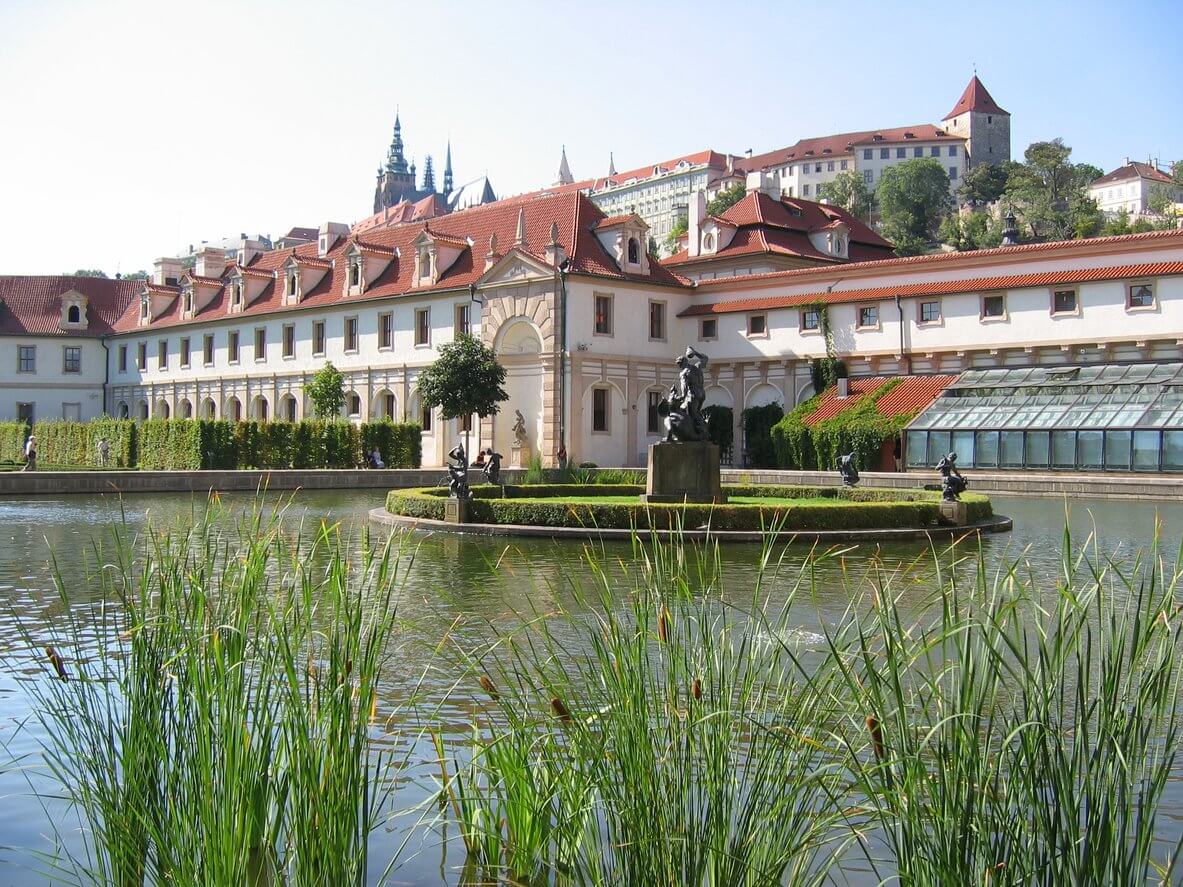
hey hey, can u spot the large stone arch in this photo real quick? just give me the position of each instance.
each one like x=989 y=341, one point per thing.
x=606 y=449
x=763 y=393
x=718 y=396
x=519 y=343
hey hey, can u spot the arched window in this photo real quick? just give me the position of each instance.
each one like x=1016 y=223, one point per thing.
x=73 y=314
x=708 y=242
x=634 y=251
x=123 y=410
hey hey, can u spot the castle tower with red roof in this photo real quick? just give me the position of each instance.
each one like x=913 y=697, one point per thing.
x=983 y=123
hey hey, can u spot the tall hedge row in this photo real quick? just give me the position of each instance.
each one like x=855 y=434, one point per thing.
x=191 y=444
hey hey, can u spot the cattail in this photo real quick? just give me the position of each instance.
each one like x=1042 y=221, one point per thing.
x=59 y=664
x=696 y=689
x=876 y=735
x=560 y=710
x=487 y=686
x=663 y=625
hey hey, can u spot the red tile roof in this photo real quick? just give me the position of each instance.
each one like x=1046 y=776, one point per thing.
x=574 y=213
x=1134 y=170
x=305 y=234
x=910 y=396
x=975 y=98
x=910 y=263
x=708 y=157
x=845 y=143
x=940 y=288
x=620 y=220
x=782 y=227
x=33 y=305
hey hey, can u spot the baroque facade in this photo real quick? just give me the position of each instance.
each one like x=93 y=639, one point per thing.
x=585 y=321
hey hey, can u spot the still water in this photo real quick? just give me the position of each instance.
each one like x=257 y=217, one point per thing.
x=484 y=581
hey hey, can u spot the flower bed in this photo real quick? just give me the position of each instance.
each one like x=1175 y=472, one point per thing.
x=794 y=507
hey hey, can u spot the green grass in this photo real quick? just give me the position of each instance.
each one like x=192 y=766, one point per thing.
x=771 y=501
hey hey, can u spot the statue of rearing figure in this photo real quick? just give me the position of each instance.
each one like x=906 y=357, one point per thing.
x=683 y=407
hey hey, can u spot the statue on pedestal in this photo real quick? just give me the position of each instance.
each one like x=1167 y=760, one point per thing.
x=682 y=408
x=519 y=429
x=458 y=472
x=847 y=469
x=952 y=483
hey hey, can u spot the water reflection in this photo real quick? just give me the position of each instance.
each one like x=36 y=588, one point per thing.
x=464 y=588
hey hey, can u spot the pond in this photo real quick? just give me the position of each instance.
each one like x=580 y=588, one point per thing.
x=487 y=580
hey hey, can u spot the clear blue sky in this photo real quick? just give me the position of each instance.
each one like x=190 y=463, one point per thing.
x=132 y=128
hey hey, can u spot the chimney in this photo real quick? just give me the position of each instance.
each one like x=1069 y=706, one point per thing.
x=1125 y=162
x=554 y=250
x=166 y=271
x=843 y=387
x=329 y=234
x=698 y=212
x=211 y=262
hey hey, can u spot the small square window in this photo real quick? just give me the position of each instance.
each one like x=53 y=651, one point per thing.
x=952 y=150
x=867 y=154
x=1141 y=295
x=930 y=312
x=901 y=153
x=1064 y=301
x=993 y=306
x=72 y=359
x=917 y=152
x=868 y=316
x=810 y=319
x=708 y=328
x=884 y=153
x=757 y=324
x=600 y=409
x=935 y=151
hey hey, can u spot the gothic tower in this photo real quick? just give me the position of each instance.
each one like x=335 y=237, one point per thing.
x=396 y=178
x=448 y=170
x=428 y=175
x=983 y=123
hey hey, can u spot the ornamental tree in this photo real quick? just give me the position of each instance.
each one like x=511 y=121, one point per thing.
x=327 y=392
x=849 y=191
x=913 y=200
x=465 y=379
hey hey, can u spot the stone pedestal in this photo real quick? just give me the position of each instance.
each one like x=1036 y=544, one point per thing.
x=954 y=513
x=683 y=472
x=518 y=455
x=455 y=510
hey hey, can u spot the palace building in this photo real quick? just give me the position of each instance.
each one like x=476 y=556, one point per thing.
x=588 y=324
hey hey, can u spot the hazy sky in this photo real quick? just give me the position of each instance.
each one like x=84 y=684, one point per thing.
x=132 y=128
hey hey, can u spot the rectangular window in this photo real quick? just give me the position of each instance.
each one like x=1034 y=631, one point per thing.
x=350 y=334
x=599 y=409
x=24 y=413
x=952 y=150
x=994 y=306
x=652 y=416
x=809 y=319
x=207 y=350
x=917 y=152
x=184 y=352
x=1141 y=295
x=805 y=190
x=868 y=176
x=1064 y=302
x=830 y=166
x=884 y=153
x=901 y=152
x=603 y=325
x=461 y=325
x=386 y=330
x=867 y=154
x=289 y=340
x=657 y=321
x=952 y=172
x=425 y=418
x=318 y=338
x=930 y=312
x=757 y=324
x=142 y=356
x=935 y=151
x=842 y=164
x=123 y=358
x=162 y=354
x=423 y=326
x=27 y=359
x=817 y=167
x=71 y=359
x=232 y=346
x=868 y=316
x=260 y=344
x=708 y=328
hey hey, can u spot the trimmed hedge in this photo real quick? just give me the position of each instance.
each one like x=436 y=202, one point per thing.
x=543 y=505
x=192 y=444
x=758 y=422
x=12 y=441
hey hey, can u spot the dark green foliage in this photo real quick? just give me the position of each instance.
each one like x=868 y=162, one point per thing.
x=726 y=199
x=327 y=392
x=757 y=431
x=720 y=426
x=169 y=444
x=465 y=379
x=860 y=429
x=400 y=443
x=75 y=444
x=546 y=505
x=825 y=372
x=12 y=441
x=913 y=199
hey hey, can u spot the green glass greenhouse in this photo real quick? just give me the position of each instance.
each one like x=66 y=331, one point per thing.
x=1087 y=418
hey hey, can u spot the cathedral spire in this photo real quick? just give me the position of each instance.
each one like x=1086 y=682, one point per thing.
x=448 y=170
x=565 y=177
x=428 y=175
x=395 y=161
x=611 y=164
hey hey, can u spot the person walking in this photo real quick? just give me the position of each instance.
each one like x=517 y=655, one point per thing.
x=31 y=454
x=104 y=452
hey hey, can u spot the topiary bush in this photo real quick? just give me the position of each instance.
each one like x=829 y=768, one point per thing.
x=757 y=430
x=720 y=427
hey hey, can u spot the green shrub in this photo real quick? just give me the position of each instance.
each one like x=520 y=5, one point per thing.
x=399 y=443
x=757 y=429
x=720 y=426
x=169 y=445
x=12 y=441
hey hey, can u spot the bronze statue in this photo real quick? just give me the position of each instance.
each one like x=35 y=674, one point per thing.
x=492 y=466
x=682 y=408
x=458 y=472
x=952 y=483
x=847 y=469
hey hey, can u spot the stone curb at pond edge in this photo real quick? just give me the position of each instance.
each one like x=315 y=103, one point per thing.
x=997 y=524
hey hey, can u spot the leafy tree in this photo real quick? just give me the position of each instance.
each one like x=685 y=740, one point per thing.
x=849 y=191
x=975 y=230
x=1049 y=193
x=726 y=199
x=465 y=379
x=135 y=275
x=89 y=272
x=983 y=183
x=1177 y=171
x=913 y=199
x=327 y=392
x=1161 y=201
x=676 y=234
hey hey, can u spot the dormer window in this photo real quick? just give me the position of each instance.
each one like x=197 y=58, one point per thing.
x=292 y=284
x=144 y=308
x=708 y=243
x=424 y=258
x=187 y=302
x=73 y=314
x=236 y=296
x=355 y=272
x=634 y=251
